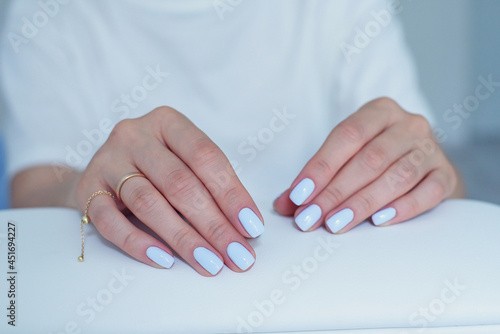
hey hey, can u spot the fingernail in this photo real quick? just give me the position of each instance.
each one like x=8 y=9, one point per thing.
x=240 y=255
x=339 y=220
x=251 y=223
x=160 y=257
x=307 y=218
x=208 y=260
x=383 y=216
x=302 y=191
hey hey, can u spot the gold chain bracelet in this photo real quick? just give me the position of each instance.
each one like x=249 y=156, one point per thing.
x=86 y=218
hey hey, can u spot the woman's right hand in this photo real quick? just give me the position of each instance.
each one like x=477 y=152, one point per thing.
x=186 y=175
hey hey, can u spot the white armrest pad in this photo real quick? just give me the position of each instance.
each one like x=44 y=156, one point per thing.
x=440 y=270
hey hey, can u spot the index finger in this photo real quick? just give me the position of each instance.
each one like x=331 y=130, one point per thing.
x=212 y=167
x=343 y=142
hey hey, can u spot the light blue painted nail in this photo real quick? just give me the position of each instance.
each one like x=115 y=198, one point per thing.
x=339 y=220
x=251 y=223
x=383 y=216
x=302 y=191
x=208 y=260
x=240 y=255
x=160 y=257
x=307 y=218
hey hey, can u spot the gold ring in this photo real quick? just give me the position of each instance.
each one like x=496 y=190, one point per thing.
x=123 y=180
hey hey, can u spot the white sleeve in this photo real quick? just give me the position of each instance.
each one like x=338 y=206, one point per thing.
x=376 y=61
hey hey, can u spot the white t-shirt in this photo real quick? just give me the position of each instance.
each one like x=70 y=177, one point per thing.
x=267 y=80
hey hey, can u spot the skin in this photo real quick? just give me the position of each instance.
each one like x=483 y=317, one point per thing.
x=181 y=164
x=188 y=175
x=381 y=156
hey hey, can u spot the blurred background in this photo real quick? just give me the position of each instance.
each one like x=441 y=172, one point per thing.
x=455 y=43
x=4 y=188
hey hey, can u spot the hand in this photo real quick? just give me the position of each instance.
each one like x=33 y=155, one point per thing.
x=381 y=162
x=188 y=176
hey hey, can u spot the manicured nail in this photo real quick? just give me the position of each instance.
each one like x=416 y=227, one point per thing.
x=251 y=223
x=307 y=218
x=383 y=216
x=339 y=220
x=302 y=191
x=208 y=260
x=240 y=255
x=160 y=257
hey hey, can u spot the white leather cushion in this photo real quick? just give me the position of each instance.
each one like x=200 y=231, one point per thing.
x=439 y=272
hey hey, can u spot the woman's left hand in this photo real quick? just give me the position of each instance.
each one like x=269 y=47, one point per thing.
x=381 y=162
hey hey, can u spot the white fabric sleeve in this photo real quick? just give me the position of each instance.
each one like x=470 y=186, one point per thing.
x=376 y=61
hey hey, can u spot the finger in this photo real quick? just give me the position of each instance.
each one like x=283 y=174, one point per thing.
x=150 y=207
x=116 y=228
x=342 y=143
x=367 y=165
x=185 y=192
x=211 y=166
x=430 y=192
x=400 y=178
x=283 y=206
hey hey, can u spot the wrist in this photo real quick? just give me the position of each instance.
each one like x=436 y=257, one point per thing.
x=41 y=187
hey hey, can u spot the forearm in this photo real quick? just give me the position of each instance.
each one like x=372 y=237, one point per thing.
x=41 y=186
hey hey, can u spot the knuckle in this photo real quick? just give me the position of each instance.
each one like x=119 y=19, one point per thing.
x=180 y=183
x=366 y=203
x=200 y=202
x=130 y=242
x=437 y=191
x=374 y=158
x=143 y=200
x=221 y=179
x=123 y=130
x=420 y=124
x=182 y=238
x=351 y=131
x=217 y=230
x=205 y=152
x=384 y=102
x=407 y=171
x=163 y=112
x=321 y=166
x=231 y=197
x=332 y=195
